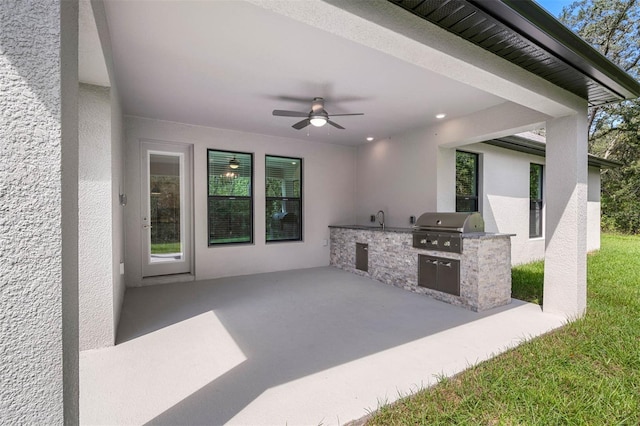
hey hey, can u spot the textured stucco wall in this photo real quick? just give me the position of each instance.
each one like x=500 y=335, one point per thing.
x=94 y=15
x=117 y=211
x=38 y=212
x=95 y=194
x=565 y=267
x=504 y=179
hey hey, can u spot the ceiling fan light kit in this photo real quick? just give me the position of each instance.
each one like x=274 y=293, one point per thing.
x=317 y=117
x=317 y=121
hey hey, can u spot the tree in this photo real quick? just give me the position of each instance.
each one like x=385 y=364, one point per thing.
x=613 y=28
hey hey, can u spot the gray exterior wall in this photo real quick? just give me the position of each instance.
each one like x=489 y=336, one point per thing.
x=38 y=212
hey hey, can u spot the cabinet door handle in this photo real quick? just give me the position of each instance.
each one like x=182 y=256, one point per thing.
x=447 y=264
x=365 y=249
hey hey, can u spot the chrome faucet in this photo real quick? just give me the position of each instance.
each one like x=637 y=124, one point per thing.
x=381 y=222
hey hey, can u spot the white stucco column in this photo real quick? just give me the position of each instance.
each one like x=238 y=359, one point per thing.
x=96 y=200
x=565 y=269
x=38 y=212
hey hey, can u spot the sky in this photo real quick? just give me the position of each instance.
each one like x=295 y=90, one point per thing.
x=554 y=6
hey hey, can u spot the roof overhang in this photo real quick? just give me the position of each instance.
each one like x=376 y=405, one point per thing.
x=525 y=34
x=527 y=146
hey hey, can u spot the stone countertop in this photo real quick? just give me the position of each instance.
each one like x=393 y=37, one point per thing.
x=485 y=235
x=377 y=228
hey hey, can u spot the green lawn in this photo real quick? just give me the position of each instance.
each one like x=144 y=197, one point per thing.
x=587 y=373
x=162 y=248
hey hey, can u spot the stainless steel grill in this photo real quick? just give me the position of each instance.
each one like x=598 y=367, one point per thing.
x=443 y=231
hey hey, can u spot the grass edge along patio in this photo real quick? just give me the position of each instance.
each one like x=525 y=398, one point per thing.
x=586 y=372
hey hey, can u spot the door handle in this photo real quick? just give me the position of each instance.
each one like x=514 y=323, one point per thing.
x=146 y=227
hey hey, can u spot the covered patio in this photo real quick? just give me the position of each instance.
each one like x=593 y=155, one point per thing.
x=312 y=346
x=87 y=85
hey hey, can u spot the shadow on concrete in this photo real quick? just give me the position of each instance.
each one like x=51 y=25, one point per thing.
x=289 y=325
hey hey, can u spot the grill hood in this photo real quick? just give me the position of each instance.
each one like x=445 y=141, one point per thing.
x=450 y=222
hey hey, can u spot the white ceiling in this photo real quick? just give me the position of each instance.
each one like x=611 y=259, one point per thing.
x=228 y=64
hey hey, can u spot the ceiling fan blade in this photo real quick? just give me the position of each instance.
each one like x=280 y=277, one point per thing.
x=342 y=115
x=336 y=125
x=283 y=113
x=301 y=124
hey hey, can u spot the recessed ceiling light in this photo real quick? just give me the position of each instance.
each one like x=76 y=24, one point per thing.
x=370 y=138
x=293 y=162
x=440 y=116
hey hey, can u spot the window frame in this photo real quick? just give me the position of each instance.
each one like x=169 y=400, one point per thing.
x=537 y=200
x=251 y=199
x=300 y=199
x=465 y=197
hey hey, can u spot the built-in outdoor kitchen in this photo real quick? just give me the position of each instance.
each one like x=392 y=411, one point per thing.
x=447 y=256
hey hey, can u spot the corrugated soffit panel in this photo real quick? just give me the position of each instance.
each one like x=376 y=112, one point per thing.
x=469 y=22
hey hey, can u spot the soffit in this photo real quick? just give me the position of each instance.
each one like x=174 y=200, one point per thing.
x=526 y=35
x=527 y=146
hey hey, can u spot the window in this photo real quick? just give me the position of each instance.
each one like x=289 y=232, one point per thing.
x=230 y=186
x=535 y=201
x=466 y=182
x=283 y=212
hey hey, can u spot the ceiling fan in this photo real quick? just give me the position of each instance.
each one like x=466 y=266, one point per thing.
x=317 y=117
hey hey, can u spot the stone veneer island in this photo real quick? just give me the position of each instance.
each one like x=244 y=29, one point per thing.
x=485 y=263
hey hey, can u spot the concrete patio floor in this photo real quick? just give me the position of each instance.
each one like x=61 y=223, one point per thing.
x=304 y=347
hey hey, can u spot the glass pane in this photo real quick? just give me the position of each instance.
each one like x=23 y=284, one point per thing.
x=283 y=220
x=535 y=182
x=283 y=177
x=283 y=214
x=535 y=201
x=466 y=174
x=229 y=220
x=230 y=173
x=535 y=219
x=466 y=204
x=164 y=201
x=230 y=177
